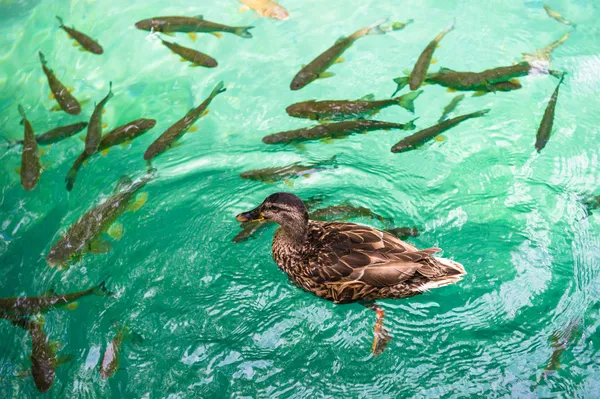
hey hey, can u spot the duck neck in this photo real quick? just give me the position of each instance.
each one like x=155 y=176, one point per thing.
x=295 y=233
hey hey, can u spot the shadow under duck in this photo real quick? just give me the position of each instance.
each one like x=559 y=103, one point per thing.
x=346 y=262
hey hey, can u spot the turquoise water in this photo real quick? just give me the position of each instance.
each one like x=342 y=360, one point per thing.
x=219 y=319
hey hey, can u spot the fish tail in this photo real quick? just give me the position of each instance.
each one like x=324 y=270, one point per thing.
x=60 y=21
x=407 y=101
x=219 y=88
x=22 y=111
x=329 y=162
x=110 y=93
x=42 y=58
x=401 y=82
x=242 y=31
x=477 y=114
x=446 y=30
x=410 y=125
x=10 y=143
x=374 y=29
x=101 y=290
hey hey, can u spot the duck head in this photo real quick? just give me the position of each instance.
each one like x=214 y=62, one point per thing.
x=285 y=209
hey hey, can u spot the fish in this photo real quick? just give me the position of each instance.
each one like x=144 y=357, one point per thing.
x=451 y=107
x=545 y=129
x=488 y=80
x=558 y=17
x=265 y=8
x=119 y=135
x=179 y=128
x=44 y=360
x=30 y=158
x=317 y=68
x=190 y=24
x=84 y=40
x=195 y=57
x=559 y=341
x=57 y=134
x=421 y=137
x=346 y=109
x=334 y=130
x=541 y=58
x=295 y=170
x=94 y=129
x=109 y=364
x=345 y=211
x=16 y=308
x=422 y=65
x=404 y=232
x=84 y=236
x=61 y=94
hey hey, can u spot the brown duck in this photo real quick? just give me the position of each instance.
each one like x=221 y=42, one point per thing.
x=346 y=262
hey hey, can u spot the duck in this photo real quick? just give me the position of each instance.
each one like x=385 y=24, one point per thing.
x=346 y=263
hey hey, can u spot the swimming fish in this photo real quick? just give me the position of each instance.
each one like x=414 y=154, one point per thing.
x=57 y=134
x=560 y=340
x=541 y=58
x=265 y=8
x=451 y=107
x=61 y=94
x=109 y=364
x=404 y=232
x=84 y=40
x=422 y=65
x=334 y=130
x=271 y=175
x=421 y=137
x=317 y=67
x=545 y=129
x=30 y=158
x=179 y=128
x=26 y=306
x=345 y=211
x=195 y=57
x=347 y=109
x=43 y=354
x=85 y=235
x=557 y=16
x=94 y=130
x=190 y=24
x=119 y=135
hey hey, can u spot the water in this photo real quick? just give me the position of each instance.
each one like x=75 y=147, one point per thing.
x=219 y=319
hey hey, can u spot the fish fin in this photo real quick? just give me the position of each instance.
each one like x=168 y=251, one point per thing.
x=242 y=31
x=399 y=25
x=445 y=70
x=410 y=125
x=183 y=60
x=289 y=183
x=514 y=81
x=368 y=97
x=62 y=359
x=105 y=151
x=451 y=90
x=434 y=61
x=71 y=306
x=115 y=231
x=206 y=111
x=76 y=44
x=49 y=292
x=85 y=162
x=55 y=108
x=306 y=176
x=193 y=36
x=55 y=345
x=70 y=89
x=51 y=96
x=407 y=101
x=401 y=82
x=100 y=246
x=376 y=29
x=480 y=93
x=324 y=121
x=101 y=290
x=18 y=169
x=339 y=60
x=82 y=49
x=82 y=138
x=326 y=140
x=24 y=373
x=103 y=111
x=439 y=139
x=104 y=125
x=436 y=46
x=200 y=17
x=125 y=143
x=45 y=165
x=172 y=34
x=193 y=129
x=217 y=34
x=299 y=146
x=243 y=8
x=139 y=202
x=325 y=75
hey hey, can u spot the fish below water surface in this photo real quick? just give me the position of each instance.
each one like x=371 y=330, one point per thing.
x=317 y=67
x=348 y=109
x=334 y=130
x=60 y=93
x=295 y=170
x=545 y=129
x=94 y=129
x=86 y=42
x=85 y=235
x=188 y=54
x=265 y=8
x=57 y=134
x=109 y=364
x=190 y=24
x=30 y=158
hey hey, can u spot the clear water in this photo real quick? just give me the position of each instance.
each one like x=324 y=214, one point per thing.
x=219 y=319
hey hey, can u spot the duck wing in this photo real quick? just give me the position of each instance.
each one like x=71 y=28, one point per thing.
x=362 y=254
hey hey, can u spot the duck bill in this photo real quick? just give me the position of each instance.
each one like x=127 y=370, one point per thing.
x=250 y=216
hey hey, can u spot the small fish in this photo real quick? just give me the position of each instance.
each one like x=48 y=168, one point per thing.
x=340 y=110
x=404 y=232
x=545 y=129
x=295 y=170
x=30 y=158
x=334 y=130
x=422 y=65
x=94 y=130
x=555 y=15
x=266 y=8
x=26 y=306
x=109 y=364
x=84 y=40
x=317 y=67
x=61 y=94
x=344 y=211
x=119 y=135
x=541 y=58
x=451 y=107
x=560 y=340
x=44 y=360
x=195 y=57
x=421 y=137
x=179 y=128
x=84 y=236
x=190 y=24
